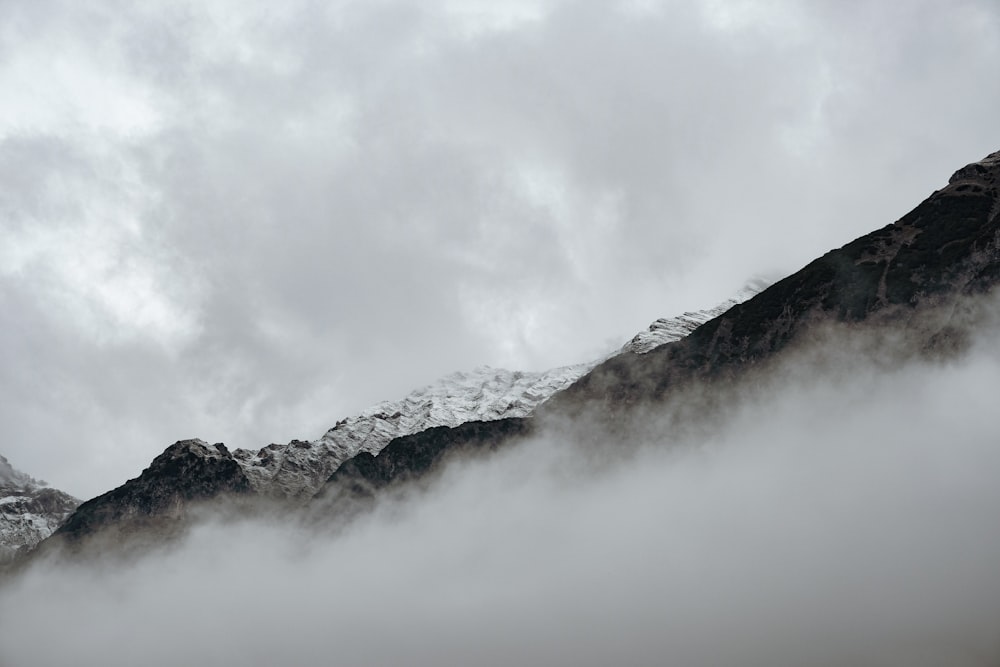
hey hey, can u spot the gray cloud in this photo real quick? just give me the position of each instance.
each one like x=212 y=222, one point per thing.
x=245 y=223
x=844 y=517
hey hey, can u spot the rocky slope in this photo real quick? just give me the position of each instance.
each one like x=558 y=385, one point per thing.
x=186 y=472
x=357 y=481
x=908 y=279
x=299 y=469
x=945 y=248
x=192 y=470
x=30 y=511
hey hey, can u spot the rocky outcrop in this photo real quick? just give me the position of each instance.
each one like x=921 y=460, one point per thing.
x=186 y=472
x=412 y=457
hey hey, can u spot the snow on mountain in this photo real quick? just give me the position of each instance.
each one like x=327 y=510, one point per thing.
x=29 y=510
x=299 y=469
x=667 y=330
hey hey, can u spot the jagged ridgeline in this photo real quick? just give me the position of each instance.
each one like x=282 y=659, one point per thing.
x=904 y=276
x=944 y=249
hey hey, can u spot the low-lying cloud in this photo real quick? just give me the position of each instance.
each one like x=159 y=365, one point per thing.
x=843 y=520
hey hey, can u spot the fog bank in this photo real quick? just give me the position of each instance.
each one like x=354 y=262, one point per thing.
x=844 y=520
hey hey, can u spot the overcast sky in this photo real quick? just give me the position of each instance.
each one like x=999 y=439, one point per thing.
x=243 y=221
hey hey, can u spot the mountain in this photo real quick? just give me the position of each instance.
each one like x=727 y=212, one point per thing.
x=192 y=471
x=186 y=472
x=907 y=279
x=299 y=469
x=665 y=330
x=30 y=511
x=906 y=274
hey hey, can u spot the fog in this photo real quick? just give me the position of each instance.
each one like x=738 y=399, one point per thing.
x=842 y=518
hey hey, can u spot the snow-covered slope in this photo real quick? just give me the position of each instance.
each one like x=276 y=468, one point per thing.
x=29 y=510
x=667 y=330
x=299 y=469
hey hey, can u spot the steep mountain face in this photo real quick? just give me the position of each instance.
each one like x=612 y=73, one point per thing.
x=188 y=471
x=410 y=457
x=947 y=247
x=299 y=469
x=30 y=511
x=907 y=277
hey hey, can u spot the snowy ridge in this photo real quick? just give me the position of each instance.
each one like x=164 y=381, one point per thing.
x=668 y=330
x=29 y=510
x=299 y=469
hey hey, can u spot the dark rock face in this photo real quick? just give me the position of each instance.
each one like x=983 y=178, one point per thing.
x=947 y=247
x=411 y=457
x=186 y=472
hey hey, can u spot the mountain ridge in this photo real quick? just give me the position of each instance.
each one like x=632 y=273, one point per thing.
x=895 y=277
x=299 y=469
x=191 y=472
x=948 y=246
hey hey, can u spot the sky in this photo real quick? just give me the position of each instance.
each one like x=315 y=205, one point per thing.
x=781 y=535
x=244 y=221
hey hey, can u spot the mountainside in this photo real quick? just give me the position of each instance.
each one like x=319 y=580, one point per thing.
x=947 y=247
x=299 y=469
x=667 y=330
x=908 y=277
x=30 y=511
x=459 y=407
x=409 y=457
x=189 y=470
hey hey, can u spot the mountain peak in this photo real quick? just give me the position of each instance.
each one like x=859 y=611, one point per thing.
x=187 y=471
x=197 y=447
x=983 y=172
